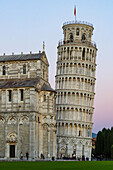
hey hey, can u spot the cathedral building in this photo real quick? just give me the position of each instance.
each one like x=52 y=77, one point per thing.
x=75 y=83
x=27 y=107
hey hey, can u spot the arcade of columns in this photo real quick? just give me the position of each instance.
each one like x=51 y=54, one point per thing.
x=75 y=82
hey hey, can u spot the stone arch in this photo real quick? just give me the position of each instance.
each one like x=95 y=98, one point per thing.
x=12 y=137
x=24 y=119
x=2 y=120
x=62 y=151
x=12 y=120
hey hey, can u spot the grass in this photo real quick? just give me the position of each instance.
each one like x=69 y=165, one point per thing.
x=94 y=165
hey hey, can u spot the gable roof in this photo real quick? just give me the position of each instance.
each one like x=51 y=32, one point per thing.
x=22 y=57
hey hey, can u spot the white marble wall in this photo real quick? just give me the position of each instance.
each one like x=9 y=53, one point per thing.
x=75 y=85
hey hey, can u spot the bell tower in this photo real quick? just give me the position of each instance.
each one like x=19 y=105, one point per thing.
x=75 y=83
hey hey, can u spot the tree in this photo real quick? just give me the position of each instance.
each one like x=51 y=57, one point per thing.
x=104 y=142
x=112 y=151
x=111 y=136
x=99 y=144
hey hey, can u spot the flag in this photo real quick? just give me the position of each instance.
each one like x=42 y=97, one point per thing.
x=75 y=11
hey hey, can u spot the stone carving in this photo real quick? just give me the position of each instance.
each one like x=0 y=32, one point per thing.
x=12 y=137
x=2 y=120
x=24 y=119
x=12 y=120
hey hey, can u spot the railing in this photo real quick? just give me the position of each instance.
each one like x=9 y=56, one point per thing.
x=62 y=42
x=78 y=22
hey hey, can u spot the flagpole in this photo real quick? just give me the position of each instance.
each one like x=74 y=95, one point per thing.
x=75 y=13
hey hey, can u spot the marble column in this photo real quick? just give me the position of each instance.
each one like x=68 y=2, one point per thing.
x=32 y=140
x=48 y=143
x=54 y=142
x=40 y=145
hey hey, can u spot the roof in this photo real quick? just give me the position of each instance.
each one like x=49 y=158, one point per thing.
x=22 y=57
x=14 y=83
x=45 y=87
x=19 y=83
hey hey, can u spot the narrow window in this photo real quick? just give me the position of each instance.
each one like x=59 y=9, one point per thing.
x=10 y=95
x=22 y=95
x=83 y=54
x=44 y=98
x=24 y=69
x=83 y=37
x=71 y=37
x=4 y=70
x=77 y=31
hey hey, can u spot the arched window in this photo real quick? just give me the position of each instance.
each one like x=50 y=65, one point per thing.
x=10 y=95
x=44 y=98
x=83 y=37
x=83 y=54
x=4 y=70
x=77 y=31
x=71 y=37
x=21 y=94
x=24 y=69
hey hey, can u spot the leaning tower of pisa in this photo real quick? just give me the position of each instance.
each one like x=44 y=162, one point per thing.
x=75 y=83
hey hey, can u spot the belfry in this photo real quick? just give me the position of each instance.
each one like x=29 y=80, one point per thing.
x=75 y=83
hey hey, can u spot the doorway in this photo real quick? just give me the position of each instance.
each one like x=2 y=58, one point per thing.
x=12 y=151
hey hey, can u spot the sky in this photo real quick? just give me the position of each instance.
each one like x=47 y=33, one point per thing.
x=25 y=24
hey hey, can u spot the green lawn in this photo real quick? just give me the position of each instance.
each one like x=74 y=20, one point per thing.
x=94 y=165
